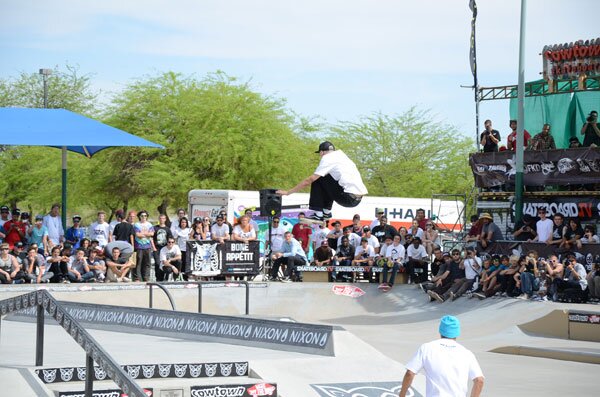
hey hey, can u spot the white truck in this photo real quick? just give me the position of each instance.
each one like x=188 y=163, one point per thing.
x=447 y=214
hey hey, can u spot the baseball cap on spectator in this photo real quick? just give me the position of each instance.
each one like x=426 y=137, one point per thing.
x=220 y=217
x=449 y=327
x=366 y=229
x=446 y=254
x=197 y=219
x=95 y=241
x=76 y=218
x=364 y=240
x=325 y=147
x=379 y=211
x=19 y=244
x=24 y=215
x=39 y=218
x=4 y=208
x=120 y=213
x=16 y=211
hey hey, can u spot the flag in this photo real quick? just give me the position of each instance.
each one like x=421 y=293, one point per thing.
x=472 y=53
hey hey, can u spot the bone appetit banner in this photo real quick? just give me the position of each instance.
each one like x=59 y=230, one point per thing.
x=548 y=167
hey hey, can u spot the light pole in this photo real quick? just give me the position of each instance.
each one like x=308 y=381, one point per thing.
x=45 y=73
x=520 y=117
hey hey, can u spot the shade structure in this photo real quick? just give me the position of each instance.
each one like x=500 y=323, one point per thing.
x=63 y=129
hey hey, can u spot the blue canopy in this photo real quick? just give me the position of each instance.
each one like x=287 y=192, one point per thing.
x=61 y=128
x=65 y=130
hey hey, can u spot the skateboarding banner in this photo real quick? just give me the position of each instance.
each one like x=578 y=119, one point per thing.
x=259 y=389
x=540 y=168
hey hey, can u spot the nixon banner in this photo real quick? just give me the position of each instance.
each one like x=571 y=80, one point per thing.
x=549 y=167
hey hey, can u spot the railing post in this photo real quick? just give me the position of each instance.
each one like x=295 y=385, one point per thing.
x=89 y=375
x=200 y=297
x=39 y=337
x=150 y=296
x=247 y=298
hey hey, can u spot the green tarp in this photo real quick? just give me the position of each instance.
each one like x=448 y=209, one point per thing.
x=566 y=114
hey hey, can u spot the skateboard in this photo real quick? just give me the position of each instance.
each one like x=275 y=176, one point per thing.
x=308 y=221
x=384 y=287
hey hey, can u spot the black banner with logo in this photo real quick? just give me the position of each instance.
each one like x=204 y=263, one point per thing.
x=585 y=318
x=103 y=393
x=548 y=167
x=585 y=208
x=259 y=389
x=209 y=258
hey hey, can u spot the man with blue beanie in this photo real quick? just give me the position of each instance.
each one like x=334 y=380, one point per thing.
x=448 y=366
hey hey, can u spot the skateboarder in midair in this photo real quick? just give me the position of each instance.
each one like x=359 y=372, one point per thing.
x=335 y=179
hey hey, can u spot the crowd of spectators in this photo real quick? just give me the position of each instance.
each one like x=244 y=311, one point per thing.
x=467 y=273
x=121 y=251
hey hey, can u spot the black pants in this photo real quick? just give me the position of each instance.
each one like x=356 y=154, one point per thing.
x=142 y=265
x=412 y=275
x=169 y=270
x=325 y=190
x=159 y=274
x=60 y=270
x=291 y=263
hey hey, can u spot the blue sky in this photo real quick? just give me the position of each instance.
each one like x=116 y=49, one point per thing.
x=330 y=58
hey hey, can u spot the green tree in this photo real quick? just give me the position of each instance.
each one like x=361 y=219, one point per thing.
x=408 y=155
x=218 y=134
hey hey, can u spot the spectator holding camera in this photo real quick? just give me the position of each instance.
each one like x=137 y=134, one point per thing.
x=489 y=138
x=590 y=130
x=525 y=229
x=589 y=235
x=574 y=276
x=593 y=280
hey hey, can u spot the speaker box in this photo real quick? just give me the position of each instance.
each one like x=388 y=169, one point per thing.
x=270 y=203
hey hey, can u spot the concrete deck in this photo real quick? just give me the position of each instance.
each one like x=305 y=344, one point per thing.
x=381 y=332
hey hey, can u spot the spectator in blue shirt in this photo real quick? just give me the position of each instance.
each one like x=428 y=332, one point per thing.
x=292 y=255
x=75 y=233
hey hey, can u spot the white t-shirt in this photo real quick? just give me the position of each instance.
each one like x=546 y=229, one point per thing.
x=373 y=242
x=353 y=238
x=359 y=251
x=219 y=231
x=247 y=235
x=343 y=170
x=396 y=253
x=448 y=367
x=319 y=235
x=470 y=271
x=416 y=253
x=55 y=229
x=277 y=238
x=166 y=253
x=544 y=229
x=182 y=236
x=100 y=232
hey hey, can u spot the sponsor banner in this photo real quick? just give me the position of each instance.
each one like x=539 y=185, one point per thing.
x=569 y=61
x=583 y=208
x=310 y=338
x=207 y=258
x=540 y=168
x=586 y=318
x=367 y=269
x=148 y=371
x=347 y=290
x=103 y=393
x=259 y=389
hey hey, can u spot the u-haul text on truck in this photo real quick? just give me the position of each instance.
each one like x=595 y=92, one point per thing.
x=447 y=214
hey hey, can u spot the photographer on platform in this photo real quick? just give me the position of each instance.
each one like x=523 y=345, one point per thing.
x=489 y=138
x=590 y=130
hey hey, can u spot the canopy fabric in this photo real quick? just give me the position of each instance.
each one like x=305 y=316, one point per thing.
x=566 y=113
x=60 y=127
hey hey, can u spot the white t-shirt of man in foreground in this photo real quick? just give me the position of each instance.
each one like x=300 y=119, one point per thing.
x=447 y=365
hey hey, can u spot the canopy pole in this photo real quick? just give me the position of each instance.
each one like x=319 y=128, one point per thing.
x=520 y=119
x=64 y=188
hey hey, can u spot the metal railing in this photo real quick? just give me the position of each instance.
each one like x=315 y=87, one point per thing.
x=199 y=284
x=93 y=351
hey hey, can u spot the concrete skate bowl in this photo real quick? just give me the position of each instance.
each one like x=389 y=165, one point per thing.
x=567 y=324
